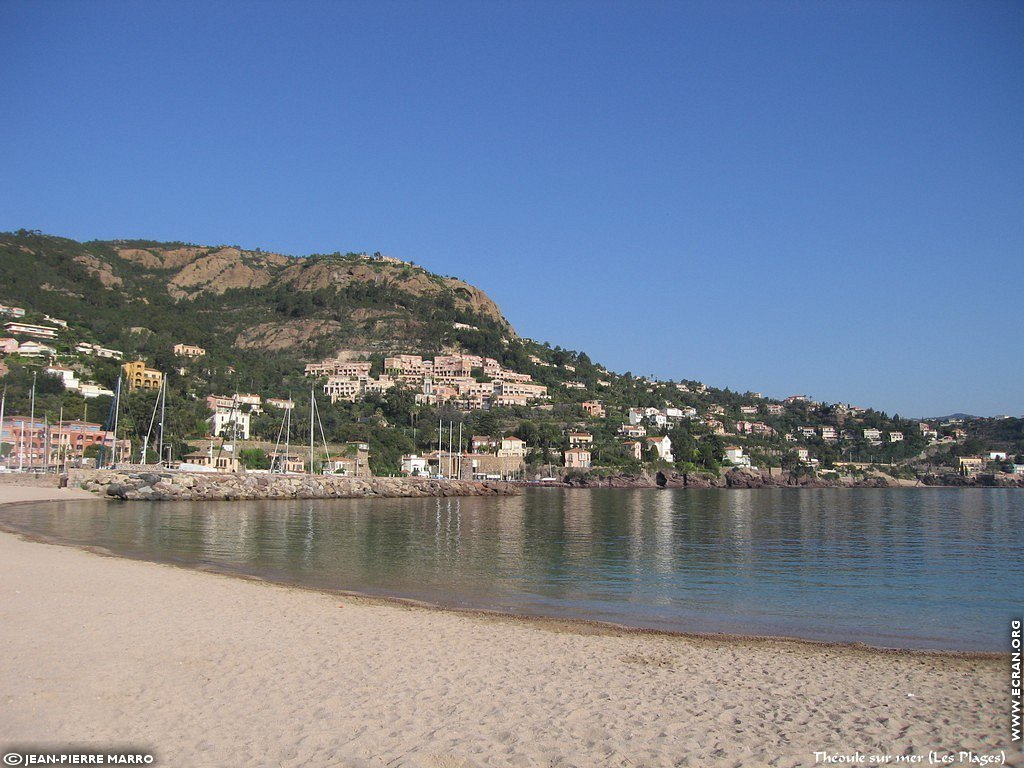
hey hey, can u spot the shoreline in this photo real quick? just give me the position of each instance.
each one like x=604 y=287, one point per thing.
x=211 y=669
x=583 y=624
x=558 y=623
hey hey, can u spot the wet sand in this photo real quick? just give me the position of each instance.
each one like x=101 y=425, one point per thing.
x=210 y=670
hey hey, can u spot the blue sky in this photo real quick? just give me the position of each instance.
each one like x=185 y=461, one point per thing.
x=821 y=197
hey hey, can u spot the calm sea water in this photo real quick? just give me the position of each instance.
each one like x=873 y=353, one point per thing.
x=912 y=568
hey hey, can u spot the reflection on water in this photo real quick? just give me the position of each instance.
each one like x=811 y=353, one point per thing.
x=936 y=568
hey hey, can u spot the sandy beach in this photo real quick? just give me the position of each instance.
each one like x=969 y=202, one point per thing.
x=210 y=670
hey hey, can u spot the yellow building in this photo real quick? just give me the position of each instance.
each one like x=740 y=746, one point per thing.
x=138 y=376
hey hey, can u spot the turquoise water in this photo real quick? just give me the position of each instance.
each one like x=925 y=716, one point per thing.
x=911 y=568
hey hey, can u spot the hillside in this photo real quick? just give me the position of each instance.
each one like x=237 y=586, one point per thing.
x=262 y=316
x=226 y=298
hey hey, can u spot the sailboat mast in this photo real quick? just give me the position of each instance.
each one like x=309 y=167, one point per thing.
x=152 y=421
x=287 y=430
x=117 y=412
x=32 y=424
x=163 y=414
x=3 y=406
x=312 y=408
x=236 y=411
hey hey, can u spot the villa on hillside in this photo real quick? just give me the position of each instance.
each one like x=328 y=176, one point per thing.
x=97 y=351
x=970 y=465
x=471 y=382
x=512 y=447
x=663 y=445
x=635 y=448
x=188 y=350
x=35 y=349
x=734 y=455
x=577 y=458
x=139 y=376
x=580 y=438
x=35 y=331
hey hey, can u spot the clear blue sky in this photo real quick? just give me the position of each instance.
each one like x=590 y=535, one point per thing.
x=814 y=197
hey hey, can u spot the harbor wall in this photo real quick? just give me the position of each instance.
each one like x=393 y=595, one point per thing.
x=164 y=485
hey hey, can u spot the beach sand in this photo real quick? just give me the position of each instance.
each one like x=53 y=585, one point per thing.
x=210 y=670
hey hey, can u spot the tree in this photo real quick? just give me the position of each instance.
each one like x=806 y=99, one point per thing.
x=254 y=458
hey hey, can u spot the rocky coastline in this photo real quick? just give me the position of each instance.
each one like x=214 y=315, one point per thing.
x=740 y=478
x=162 y=485
x=216 y=486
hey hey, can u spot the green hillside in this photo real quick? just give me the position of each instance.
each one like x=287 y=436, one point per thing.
x=262 y=316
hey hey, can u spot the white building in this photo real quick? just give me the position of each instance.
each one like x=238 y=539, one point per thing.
x=97 y=351
x=90 y=390
x=36 y=331
x=734 y=455
x=663 y=445
x=35 y=349
x=512 y=447
x=225 y=421
x=66 y=375
x=414 y=465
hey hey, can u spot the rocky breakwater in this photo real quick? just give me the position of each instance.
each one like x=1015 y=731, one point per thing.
x=198 y=486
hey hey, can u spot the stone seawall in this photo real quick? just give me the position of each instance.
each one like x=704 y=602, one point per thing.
x=200 y=486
